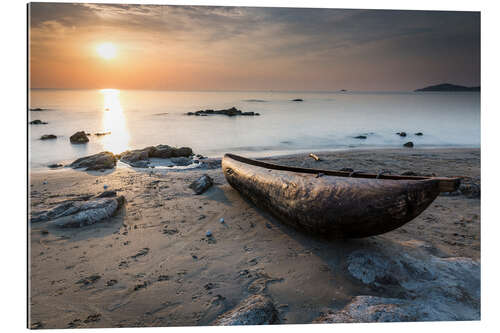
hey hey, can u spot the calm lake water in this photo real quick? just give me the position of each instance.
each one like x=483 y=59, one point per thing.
x=323 y=121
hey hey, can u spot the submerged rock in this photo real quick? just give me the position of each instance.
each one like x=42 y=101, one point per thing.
x=75 y=214
x=255 y=310
x=102 y=133
x=79 y=137
x=48 y=137
x=409 y=144
x=37 y=122
x=102 y=160
x=419 y=134
x=360 y=137
x=402 y=134
x=228 y=112
x=201 y=184
x=297 y=100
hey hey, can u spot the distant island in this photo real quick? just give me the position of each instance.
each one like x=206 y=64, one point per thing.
x=449 y=87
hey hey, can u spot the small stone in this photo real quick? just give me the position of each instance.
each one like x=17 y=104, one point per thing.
x=105 y=187
x=221 y=220
x=208 y=233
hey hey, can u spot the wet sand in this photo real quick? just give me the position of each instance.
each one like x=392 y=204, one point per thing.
x=152 y=265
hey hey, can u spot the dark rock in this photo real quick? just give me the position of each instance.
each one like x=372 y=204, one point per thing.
x=228 y=112
x=141 y=253
x=111 y=283
x=37 y=109
x=360 y=137
x=107 y=194
x=37 y=122
x=201 y=184
x=297 y=100
x=48 y=137
x=79 y=137
x=255 y=310
x=409 y=144
x=75 y=214
x=139 y=164
x=181 y=161
x=470 y=190
x=402 y=134
x=419 y=134
x=102 y=133
x=102 y=160
x=133 y=157
x=54 y=166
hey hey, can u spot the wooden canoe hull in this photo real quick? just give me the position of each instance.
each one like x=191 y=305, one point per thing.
x=331 y=206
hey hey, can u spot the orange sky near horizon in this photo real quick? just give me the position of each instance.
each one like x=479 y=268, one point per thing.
x=232 y=48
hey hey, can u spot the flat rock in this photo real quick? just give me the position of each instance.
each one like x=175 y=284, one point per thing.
x=201 y=184
x=297 y=100
x=137 y=157
x=48 y=137
x=79 y=137
x=409 y=144
x=102 y=160
x=75 y=214
x=420 y=286
x=255 y=310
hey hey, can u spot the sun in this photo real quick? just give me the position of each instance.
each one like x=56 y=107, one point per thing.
x=106 y=50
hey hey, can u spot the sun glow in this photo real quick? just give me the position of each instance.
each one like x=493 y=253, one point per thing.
x=106 y=50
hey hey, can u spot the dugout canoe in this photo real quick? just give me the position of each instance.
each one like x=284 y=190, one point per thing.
x=334 y=204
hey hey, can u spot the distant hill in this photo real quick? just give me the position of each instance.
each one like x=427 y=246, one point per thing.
x=449 y=87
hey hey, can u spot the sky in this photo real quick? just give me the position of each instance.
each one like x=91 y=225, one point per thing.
x=95 y=46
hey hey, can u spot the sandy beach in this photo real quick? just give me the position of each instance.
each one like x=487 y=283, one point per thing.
x=152 y=264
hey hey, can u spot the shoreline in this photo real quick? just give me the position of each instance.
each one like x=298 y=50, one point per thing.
x=152 y=265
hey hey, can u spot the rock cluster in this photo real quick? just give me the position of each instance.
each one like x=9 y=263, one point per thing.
x=139 y=158
x=228 y=112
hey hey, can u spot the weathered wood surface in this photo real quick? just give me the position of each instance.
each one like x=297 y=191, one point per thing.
x=330 y=205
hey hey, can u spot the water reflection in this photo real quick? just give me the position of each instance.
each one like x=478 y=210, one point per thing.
x=114 y=121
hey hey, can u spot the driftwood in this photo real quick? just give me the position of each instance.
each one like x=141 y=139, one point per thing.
x=337 y=204
x=314 y=157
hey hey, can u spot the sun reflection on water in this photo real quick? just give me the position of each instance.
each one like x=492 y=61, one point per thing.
x=114 y=121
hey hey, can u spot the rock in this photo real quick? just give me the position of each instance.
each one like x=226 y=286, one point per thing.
x=107 y=194
x=139 y=164
x=181 y=161
x=54 y=166
x=255 y=310
x=37 y=109
x=208 y=233
x=402 y=134
x=102 y=160
x=409 y=144
x=75 y=214
x=201 y=184
x=48 y=137
x=102 y=133
x=228 y=112
x=360 y=137
x=37 y=122
x=130 y=156
x=470 y=190
x=419 y=134
x=297 y=100
x=419 y=285
x=88 y=280
x=165 y=151
x=79 y=137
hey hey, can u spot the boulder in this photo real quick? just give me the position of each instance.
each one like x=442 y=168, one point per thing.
x=166 y=151
x=48 y=137
x=79 y=137
x=37 y=122
x=255 y=310
x=201 y=184
x=102 y=160
x=75 y=214
x=140 y=157
x=409 y=144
